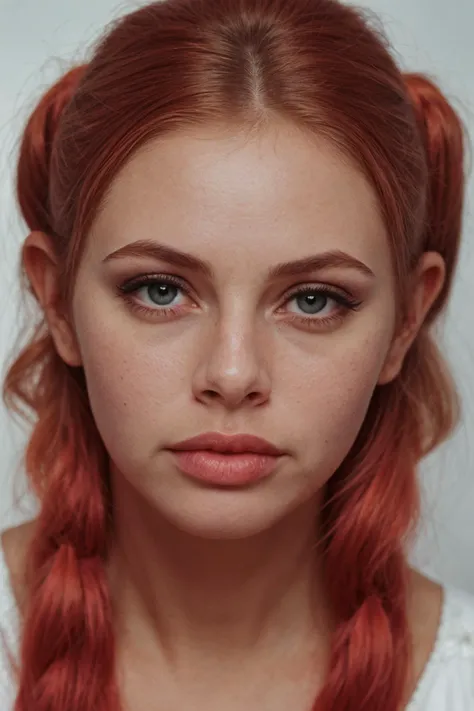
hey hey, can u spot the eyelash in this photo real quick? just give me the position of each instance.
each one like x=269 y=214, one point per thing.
x=345 y=301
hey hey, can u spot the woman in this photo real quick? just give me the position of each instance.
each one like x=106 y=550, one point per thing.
x=243 y=222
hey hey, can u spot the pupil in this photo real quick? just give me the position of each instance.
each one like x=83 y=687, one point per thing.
x=162 y=294
x=312 y=303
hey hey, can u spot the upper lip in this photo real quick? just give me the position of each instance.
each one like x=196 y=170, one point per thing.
x=235 y=444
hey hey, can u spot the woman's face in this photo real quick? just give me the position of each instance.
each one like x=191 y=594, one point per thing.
x=172 y=349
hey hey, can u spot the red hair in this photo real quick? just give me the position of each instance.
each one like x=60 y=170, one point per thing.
x=327 y=68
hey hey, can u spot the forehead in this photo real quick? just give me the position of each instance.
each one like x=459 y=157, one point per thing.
x=276 y=191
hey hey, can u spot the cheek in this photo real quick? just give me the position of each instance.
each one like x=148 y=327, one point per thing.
x=131 y=380
x=331 y=399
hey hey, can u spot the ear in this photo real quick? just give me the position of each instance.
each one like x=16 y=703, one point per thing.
x=42 y=269
x=428 y=279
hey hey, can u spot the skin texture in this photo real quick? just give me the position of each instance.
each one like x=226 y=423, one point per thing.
x=199 y=571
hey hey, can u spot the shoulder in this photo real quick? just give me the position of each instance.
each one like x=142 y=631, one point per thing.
x=13 y=546
x=446 y=682
x=14 y=543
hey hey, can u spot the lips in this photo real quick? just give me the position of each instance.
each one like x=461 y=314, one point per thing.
x=223 y=460
x=230 y=444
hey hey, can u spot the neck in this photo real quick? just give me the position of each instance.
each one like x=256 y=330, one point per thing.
x=180 y=592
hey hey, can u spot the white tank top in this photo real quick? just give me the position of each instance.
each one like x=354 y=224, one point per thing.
x=447 y=683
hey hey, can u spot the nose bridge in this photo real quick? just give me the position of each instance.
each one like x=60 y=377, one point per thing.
x=234 y=362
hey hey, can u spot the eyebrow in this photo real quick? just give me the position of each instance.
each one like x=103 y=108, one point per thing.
x=326 y=260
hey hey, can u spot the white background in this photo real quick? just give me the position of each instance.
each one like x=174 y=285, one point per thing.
x=39 y=40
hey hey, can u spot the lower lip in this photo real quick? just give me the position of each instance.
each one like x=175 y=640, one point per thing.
x=225 y=469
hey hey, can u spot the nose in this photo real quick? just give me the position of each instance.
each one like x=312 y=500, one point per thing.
x=232 y=370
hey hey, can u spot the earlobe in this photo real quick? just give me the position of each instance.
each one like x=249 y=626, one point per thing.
x=394 y=361
x=41 y=266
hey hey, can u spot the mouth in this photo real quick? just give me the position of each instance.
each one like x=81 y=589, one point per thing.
x=226 y=460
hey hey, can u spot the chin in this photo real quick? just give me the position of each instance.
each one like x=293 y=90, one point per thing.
x=223 y=514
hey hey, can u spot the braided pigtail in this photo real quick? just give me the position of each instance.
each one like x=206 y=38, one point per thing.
x=68 y=622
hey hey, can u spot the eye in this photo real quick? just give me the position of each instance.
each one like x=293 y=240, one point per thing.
x=317 y=306
x=164 y=296
x=156 y=295
x=312 y=302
